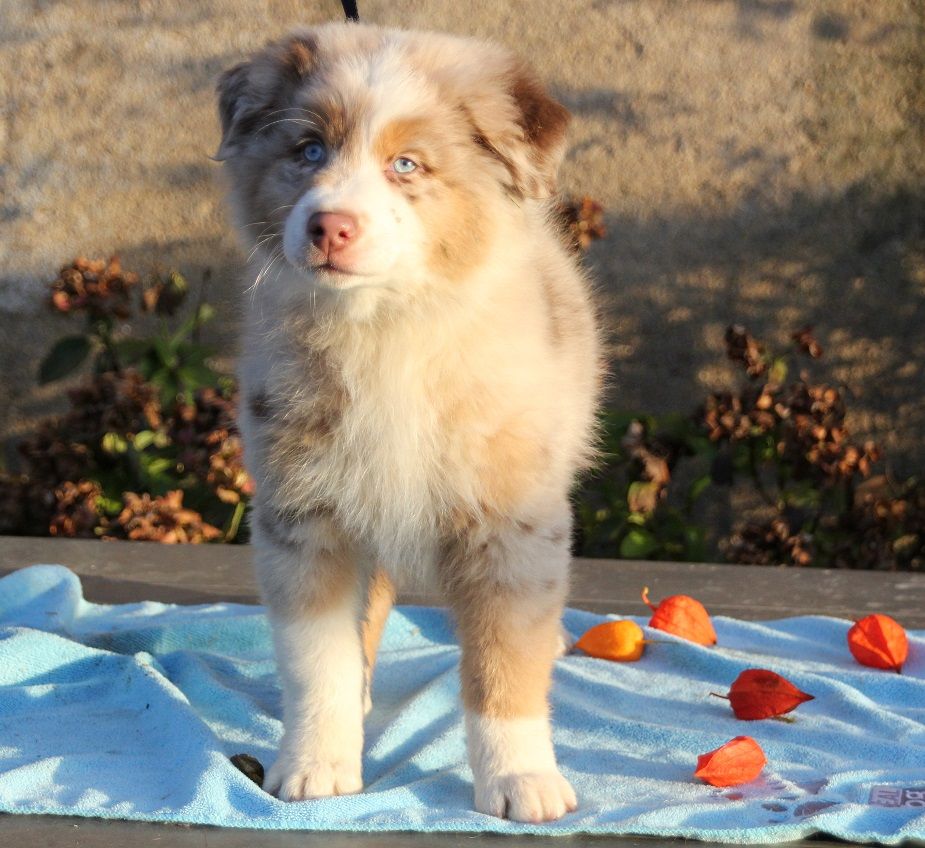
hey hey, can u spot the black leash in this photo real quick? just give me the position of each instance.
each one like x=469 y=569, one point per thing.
x=351 y=11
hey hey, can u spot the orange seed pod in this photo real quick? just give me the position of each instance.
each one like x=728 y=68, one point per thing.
x=738 y=761
x=759 y=693
x=879 y=641
x=622 y=641
x=683 y=616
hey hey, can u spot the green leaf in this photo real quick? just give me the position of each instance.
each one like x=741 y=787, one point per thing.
x=637 y=544
x=676 y=425
x=159 y=465
x=778 y=372
x=166 y=351
x=206 y=313
x=145 y=438
x=697 y=488
x=178 y=282
x=197 y=376
x=767 y=448
x=108 y=506
x=64 y=358
x=131 y=351
x=113 y=443
x=642 y=496
x=696 y=541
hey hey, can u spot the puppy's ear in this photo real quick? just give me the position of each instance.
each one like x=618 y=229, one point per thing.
x=545 y=122
x=249 y=91
x=527 y=132
x=232 y=92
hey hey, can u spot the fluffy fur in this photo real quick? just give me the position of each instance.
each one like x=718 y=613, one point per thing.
x=417 y=401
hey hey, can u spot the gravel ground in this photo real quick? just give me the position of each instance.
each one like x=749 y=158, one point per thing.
x=760 y=161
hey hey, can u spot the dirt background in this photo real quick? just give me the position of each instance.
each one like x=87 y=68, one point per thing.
x=760 y=161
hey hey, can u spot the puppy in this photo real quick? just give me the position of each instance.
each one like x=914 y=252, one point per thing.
x=419 y=374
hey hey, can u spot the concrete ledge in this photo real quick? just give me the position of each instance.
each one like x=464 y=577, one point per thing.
x=117 y=572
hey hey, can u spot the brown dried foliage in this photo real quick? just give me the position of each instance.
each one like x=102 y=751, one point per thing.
x=98 y=286
x=75 y=512
x=208 y=444
x=741 y=347
x=113 y=402
x=57 y=498
x=826 y=513
x=164 y=296
x=63 y=449
x=770 y=542
x=163 y=519
x=582 y=221
x=807 y=420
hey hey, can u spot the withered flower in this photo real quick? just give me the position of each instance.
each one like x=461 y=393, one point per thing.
x=75 y=514
x=164 y=296
x=98 y=286
x=163 y=519
x=742 y=347
x=583 y=222
x=806 y=342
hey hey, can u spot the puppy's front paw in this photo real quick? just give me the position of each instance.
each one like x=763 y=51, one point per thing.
x=290 y=781
x=532 y=797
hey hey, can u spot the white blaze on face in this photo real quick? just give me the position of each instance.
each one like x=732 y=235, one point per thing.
x=386 y=227
x=389 y=245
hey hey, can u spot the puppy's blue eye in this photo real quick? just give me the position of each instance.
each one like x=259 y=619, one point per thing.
x=402 y=165
x=314 y=153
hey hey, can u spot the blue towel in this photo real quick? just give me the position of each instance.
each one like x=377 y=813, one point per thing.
x=132 y=712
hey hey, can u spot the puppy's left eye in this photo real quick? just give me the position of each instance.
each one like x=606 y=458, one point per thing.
x=403 y=165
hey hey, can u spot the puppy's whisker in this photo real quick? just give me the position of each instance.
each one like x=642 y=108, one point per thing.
x=273 y=257
x=276 y=255
x=291 y=109
x=258 y=246
x=303 y=121
x=262 y=238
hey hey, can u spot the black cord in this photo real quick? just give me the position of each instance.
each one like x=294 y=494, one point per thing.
x=350 y=10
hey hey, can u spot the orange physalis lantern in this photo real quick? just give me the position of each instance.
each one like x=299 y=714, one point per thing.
x=738 y=761
x=879 y=641
x=622 y=641
x=683 y=616
x=758 y=693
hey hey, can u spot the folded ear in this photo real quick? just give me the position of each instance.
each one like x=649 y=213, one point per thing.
x=251 y=90
x=527 y=131
x=232 y=92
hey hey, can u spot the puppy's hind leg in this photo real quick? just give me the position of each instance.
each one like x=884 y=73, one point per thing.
x=380 y=595
x=310 y=582
x=507 y=588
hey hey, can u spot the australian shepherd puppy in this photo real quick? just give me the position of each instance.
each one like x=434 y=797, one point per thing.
x=420 y=366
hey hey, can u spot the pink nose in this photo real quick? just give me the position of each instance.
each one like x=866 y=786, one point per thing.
x=331 y=231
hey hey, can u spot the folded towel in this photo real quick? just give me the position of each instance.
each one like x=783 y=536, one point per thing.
x=132 y=712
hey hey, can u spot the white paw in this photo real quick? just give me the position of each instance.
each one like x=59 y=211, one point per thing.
x=290 y=781
x=367 y=703
x=534 y=797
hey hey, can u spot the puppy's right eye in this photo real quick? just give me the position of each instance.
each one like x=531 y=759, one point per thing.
x=314 y=153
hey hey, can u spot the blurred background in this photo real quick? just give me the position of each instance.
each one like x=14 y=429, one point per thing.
x=756 y=162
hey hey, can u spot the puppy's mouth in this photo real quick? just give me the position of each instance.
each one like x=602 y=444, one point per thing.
x=334 y=269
